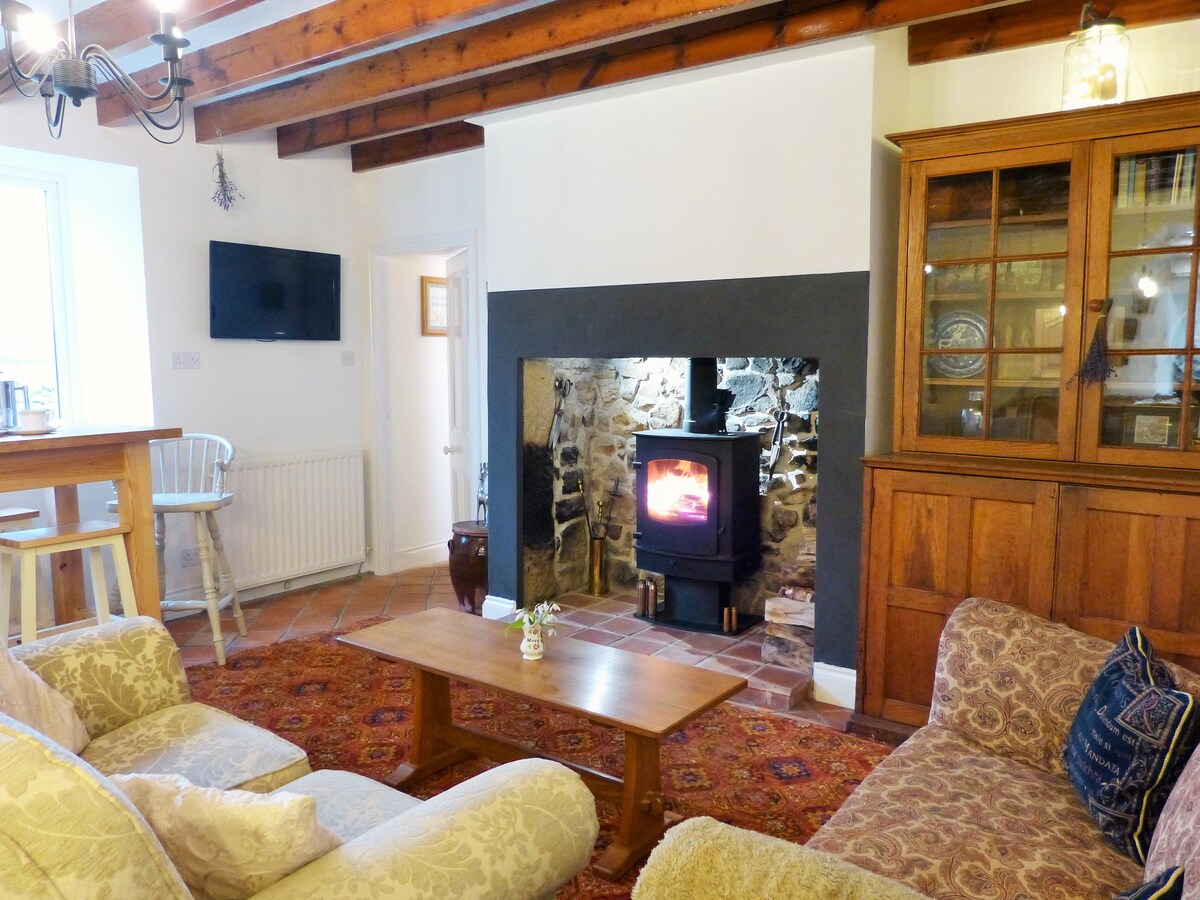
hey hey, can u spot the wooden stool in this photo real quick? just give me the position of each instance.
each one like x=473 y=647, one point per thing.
x=26 y=546
x=12 y=517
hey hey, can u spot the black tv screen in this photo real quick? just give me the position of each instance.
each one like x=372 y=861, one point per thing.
x=271 y=294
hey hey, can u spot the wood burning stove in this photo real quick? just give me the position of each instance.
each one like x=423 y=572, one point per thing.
x=698 y=508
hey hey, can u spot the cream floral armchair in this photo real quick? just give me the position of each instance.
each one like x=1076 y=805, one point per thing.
x=68 y=830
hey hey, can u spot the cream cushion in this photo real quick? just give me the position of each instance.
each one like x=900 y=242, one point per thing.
x=207 y=746
x=702 y=857
x=228 y=845
x=66 y=832
x=28 y=699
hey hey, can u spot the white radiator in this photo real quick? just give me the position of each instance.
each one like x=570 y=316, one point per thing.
x=295 y=516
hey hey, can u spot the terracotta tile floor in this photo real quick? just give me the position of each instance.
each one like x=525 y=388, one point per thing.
x=604 y=620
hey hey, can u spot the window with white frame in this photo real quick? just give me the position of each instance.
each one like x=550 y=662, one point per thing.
x=34 y=318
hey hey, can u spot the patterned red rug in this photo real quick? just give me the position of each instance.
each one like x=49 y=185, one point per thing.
x=352 y=711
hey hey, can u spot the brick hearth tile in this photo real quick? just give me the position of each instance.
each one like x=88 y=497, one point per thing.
x=584 y=617
x=637 y=645
x=729 y=665
x=744 y=650
x=680 y=654
x=778 y=702
x=656 y=632
x=577 y=601
x=778 y=677
x=707 y=643
x=612 y=607
x=752 y=697
x=657 y=635
x=755 y=635
x=562 y=629
x=596 y=636
x=624 y=625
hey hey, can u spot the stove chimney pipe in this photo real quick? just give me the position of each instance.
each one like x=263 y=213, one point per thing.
x=704 y=403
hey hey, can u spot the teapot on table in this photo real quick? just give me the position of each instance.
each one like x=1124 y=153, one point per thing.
x=8 y=402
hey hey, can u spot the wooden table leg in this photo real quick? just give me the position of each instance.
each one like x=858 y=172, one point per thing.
x=643 y=816
x=136 y=504
x=428 y=753
x=66 y=569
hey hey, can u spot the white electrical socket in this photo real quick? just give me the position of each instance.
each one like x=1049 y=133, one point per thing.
x=185 y=359
x=189 y=556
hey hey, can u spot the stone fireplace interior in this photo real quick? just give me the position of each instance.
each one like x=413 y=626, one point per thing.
x=580 y=478
x=617 y=336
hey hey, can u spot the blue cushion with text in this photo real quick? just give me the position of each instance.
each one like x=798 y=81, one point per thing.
x=1129 y=741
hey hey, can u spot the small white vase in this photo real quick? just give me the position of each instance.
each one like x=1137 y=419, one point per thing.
x=531 y=644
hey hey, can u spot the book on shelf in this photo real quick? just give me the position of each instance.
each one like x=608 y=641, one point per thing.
x=1161 y=179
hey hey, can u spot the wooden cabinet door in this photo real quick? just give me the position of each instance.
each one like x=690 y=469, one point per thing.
x=992 y=280
x=935 y=540
x=1132 y=558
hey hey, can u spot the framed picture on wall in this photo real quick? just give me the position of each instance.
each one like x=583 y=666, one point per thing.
x=433 y=305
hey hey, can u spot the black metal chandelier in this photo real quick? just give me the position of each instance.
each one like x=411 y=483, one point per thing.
x=54 y=68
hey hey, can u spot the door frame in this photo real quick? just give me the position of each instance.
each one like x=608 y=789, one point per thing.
x=380 y=499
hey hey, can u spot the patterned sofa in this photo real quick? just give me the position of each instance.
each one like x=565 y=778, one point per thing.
x=67 y=830
x=975 y=805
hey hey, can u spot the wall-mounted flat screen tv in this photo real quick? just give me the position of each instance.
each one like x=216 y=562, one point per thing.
x=272 y=294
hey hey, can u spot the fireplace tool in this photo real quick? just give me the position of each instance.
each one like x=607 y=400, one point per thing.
x=562 y=387
x=780 y=415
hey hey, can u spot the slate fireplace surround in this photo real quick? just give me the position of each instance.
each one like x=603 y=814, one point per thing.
x=822 y=316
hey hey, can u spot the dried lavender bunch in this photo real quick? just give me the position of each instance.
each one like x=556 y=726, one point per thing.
x=226 y=191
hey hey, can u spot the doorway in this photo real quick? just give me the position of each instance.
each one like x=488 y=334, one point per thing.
x=425 y=387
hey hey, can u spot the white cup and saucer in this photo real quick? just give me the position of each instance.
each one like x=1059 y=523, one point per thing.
x=32 y=421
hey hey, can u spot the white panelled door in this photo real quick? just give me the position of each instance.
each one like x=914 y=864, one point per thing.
x=463 y=469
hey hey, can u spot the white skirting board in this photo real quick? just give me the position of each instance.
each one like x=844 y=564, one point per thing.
x=498 y=607
x=833 y=684
x=419 y=557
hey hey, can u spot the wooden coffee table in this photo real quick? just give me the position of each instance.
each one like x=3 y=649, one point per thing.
x=645 y=697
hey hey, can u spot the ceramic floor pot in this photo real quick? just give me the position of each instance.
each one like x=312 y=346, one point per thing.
x=469 y=565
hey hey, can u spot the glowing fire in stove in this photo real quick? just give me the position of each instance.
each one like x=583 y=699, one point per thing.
x=677 y=491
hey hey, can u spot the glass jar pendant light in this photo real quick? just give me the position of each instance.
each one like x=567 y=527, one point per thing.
x=1096 y=63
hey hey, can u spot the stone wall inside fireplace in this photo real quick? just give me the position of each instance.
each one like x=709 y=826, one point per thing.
x=584 y=484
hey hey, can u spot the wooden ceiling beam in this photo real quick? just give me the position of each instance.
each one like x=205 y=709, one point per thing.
x=774 y=27
x=120 y=26
x=326 y=34
x=563 y=27
x=424 y=144
x=1028 y=23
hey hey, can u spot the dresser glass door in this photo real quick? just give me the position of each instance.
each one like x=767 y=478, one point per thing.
x=995 y=285
x=1150 y=397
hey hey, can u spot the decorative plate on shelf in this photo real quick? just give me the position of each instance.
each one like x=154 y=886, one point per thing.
x=954 y=330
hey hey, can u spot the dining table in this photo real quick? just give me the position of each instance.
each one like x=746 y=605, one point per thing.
x=69 y=456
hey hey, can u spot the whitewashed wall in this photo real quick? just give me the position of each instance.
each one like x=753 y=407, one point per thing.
x=707 y=175
x=1029 y=80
